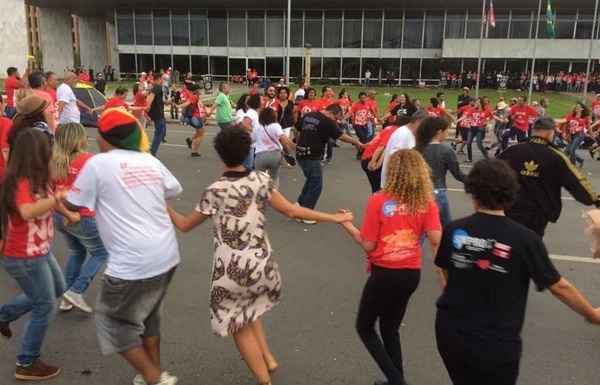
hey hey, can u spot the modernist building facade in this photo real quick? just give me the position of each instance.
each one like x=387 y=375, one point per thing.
x=412 y=39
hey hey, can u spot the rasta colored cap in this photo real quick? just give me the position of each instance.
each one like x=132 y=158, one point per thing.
x=122 y=130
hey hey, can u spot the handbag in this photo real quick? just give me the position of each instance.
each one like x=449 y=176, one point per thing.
x=288 y=158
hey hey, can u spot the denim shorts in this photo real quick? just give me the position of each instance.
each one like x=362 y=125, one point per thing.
x=128 y=311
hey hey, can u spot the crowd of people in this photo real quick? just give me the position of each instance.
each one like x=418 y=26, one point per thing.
x=114 y=210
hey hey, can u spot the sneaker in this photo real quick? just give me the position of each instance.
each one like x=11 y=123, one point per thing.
x=65 y=305
x=165 y=376
x=77 y=300
x=5 y=330
x=309 y=222
x=188 y=141
x=37 y=371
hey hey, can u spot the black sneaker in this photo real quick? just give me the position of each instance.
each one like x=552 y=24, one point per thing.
x=188 y=141
x=5 y=330
x=195 y=155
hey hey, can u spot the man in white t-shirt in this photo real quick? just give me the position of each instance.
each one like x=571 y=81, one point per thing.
x=128 y=188
x=68 y=105
x=402 y=139
x=300 y=92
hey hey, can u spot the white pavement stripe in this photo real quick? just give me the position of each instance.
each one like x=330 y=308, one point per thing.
x=571 y=258
x=462 y=191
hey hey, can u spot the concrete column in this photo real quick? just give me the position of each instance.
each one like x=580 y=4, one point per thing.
x=56 y=39
x=113 y=48
x=93 y=47
x=13 y=43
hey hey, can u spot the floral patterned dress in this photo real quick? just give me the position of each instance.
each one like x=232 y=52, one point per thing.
x=245 y=278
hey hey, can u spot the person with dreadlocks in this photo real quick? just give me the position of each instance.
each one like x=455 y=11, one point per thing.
x=68 y=159
x=128 y=189
x=396 y=219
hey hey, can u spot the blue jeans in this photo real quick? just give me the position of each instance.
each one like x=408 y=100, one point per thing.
x=571 y=150
x=443 y=205
x=10 y=112
x=476 y=133
x=249 y=161
x=82 y=238
x=42 y=283
x=160 y=130
x=314 y=182
x=512 y=132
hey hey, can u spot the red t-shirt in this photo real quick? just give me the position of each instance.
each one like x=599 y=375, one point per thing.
x=397 y=233
x=479 y=118
x=5 y=125
x=307 y=106
x=380 y=140
x=596 y=108
x=52 y=92
x=361 y=113
x=577 y=125
x=74 y=169
x=32 y=238
x=466 y=116
x=139 y=99
x=520 y=116
x=11 y=84
x=374 y=105
x=436 y=112
x=344 y=103
x=325 y=102
x=194 y=101
x=84 y=77
x=273 y=104
x=115 y=103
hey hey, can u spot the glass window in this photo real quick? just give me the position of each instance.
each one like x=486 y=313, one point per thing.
x=516 y=66
x=331 y=67
x=430 y=69
x=501 y=29
x=143 y=27
x=258 y=65
x=584 y=26
x=410 y=69
x=125 y=27
x=434 y=29
x=372 y=29
x=474 y=24
x=274 y=67
x=392 y=29
x=413 y=29
x=455 y=25
x=373 y=65
x=352 y=30
x=296 y=33
x=520 y=25
x=237 y=67
x=450 y=65
x=389 y=70
x=275 y=29
x=237 y=28
x=333 y=30
x=181 y=63
x=470 y=65
x=181 y=30
x=256 y=29
x=579 y=66
x=557 y=66
x=313 y=28
x=145 y=62
x=495 y=65
x=217 y=24
x=350 y=68
x=200 y=64
x=162 y=62
x=162 y=27
x=315 y=67
x=127 y=63
x=218 y=65
x=565 y=24
x=198 y=32
x=296 y=68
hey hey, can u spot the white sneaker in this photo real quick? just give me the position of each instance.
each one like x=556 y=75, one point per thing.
x=165 y=377
x=65 y=305
x=77 y=300
x=309 y=222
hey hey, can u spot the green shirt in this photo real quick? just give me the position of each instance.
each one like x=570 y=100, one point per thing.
x=224 y=112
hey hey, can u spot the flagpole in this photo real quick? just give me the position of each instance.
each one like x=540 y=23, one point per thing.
x=532 y=71
x=483 y=20
x=589 y=61
x=287 y=42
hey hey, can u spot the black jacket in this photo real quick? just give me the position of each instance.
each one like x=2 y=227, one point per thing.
x=543 y=170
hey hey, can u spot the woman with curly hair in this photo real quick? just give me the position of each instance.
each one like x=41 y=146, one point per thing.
x=395 y=221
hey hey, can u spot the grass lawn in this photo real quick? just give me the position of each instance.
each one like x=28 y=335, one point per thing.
x=560 y=104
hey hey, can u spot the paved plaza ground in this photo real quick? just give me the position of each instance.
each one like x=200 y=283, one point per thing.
x=312 y=330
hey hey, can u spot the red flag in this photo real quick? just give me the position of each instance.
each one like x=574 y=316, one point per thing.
x=492 y=15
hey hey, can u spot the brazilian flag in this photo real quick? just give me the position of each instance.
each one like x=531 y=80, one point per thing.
x=550 y=21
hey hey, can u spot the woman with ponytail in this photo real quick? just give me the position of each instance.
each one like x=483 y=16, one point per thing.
x=82 y=237
x=430 y=138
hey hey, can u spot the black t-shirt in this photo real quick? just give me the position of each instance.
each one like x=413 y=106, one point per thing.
x=315 y=131
x=490 y=260
x=157 y=108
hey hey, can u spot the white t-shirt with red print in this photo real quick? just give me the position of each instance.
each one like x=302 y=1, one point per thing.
x=31 y=238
